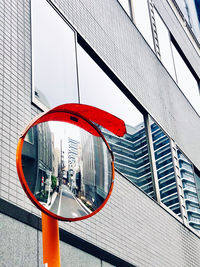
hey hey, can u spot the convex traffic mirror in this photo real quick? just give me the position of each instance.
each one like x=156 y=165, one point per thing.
x=65 y=164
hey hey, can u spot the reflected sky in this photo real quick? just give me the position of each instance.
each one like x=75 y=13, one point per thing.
x=101 y=92
x=142 y=20
x=63 y=131
x=54 y=61
x=186 y=81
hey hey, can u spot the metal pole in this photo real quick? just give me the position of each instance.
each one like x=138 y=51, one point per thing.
x=50 y=236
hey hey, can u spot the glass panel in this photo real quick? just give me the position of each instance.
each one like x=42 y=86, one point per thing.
x=67 y=169
x=190 y=185
x=53 y=55
x=164 y=45
x=131 y=151
x=165 y=168
x=182 y=6
x=142 y=20
x=197 y=179
x=192 y=17
x=186 y=81
x=190 y=10
x=197 y=6
x=30 y=137
x=126 y=5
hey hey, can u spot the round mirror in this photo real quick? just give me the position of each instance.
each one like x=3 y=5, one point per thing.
x=66 y=170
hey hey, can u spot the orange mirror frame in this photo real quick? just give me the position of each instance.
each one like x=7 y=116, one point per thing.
x=83 y=116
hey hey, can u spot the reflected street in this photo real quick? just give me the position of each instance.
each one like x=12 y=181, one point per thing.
x=67 y=199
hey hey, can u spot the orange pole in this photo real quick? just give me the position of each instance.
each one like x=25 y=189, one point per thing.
x=50 y=236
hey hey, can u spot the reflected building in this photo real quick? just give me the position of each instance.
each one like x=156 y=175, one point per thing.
x=73 y=155
x=37 y=156
x=131 y=156
x=96 y=169
x=189 y=181
x=165 y=169
x=74 y=166
x=30 y=157
x=72 y=151
x=166 y=178
x=61 y=164
x=132 y=160
x=56 y=161
x=44 y=147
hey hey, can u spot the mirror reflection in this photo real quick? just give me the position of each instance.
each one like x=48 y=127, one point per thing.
x=67 y=169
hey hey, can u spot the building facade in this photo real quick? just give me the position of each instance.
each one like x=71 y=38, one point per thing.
x=138 y=60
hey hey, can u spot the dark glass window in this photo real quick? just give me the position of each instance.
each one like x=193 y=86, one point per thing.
x=191 y=183
x=165 y=168
x=54 y=76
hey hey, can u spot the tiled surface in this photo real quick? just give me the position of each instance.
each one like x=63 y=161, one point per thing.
x=131 y=225
x=18 y=246
x=21 y=246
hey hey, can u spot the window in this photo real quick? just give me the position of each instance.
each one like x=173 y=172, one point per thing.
x=29 y=137
x=176 y=66
x=165 y=168
x=182 y=6
x=142 y=20
x=139 y=11
x=189 y=10
x=53 y=54
x=126 y=5
x=197 y=6
x=186 y=80
x=131 y=151
x=197 y=179
x=164 y=45
x=190 y=181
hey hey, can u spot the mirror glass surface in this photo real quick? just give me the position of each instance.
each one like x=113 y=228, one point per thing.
x=67 y=169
